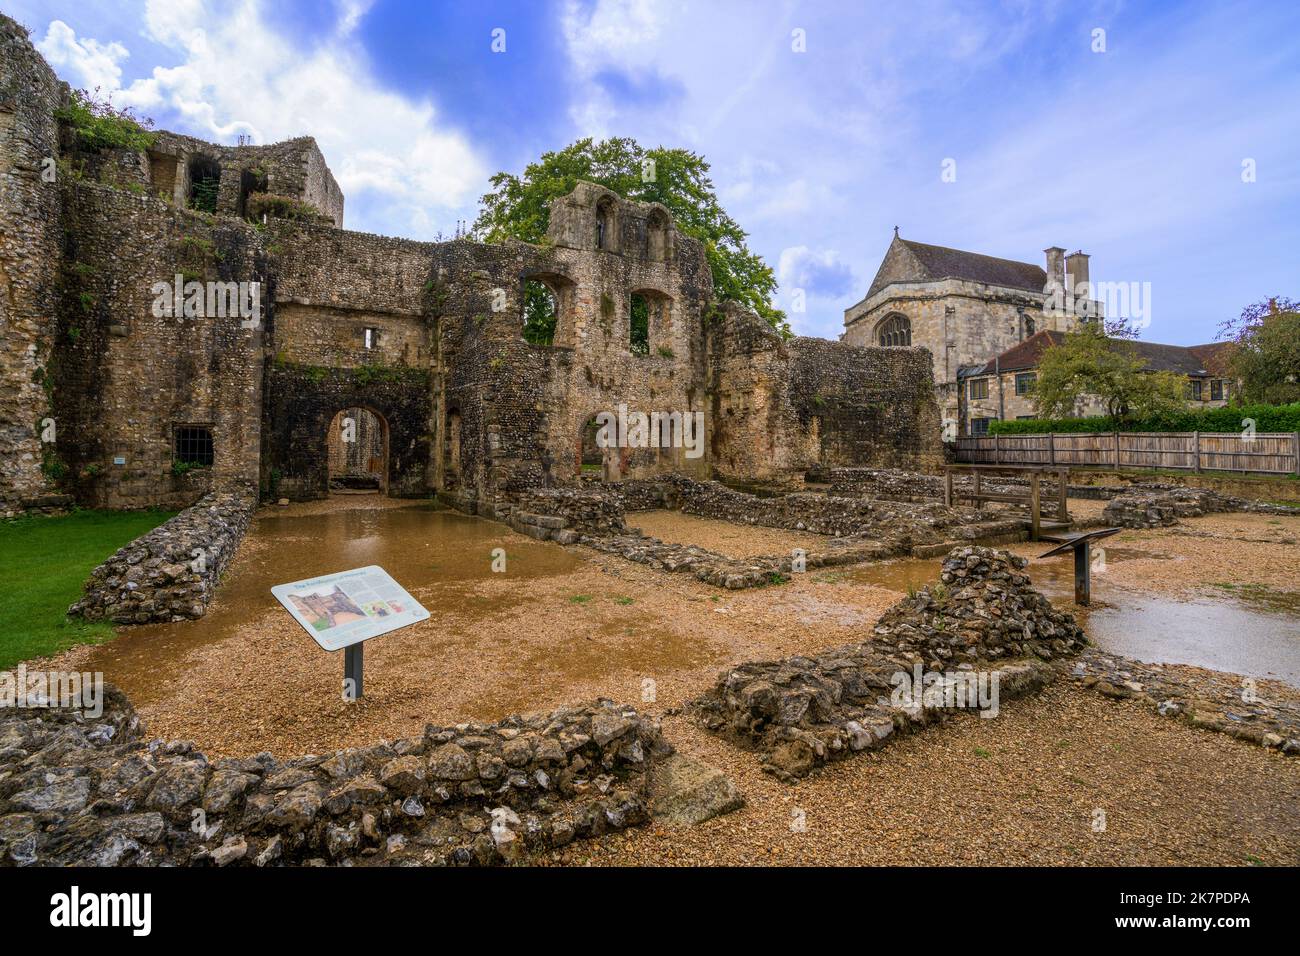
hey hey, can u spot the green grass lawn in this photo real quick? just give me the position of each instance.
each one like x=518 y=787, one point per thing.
x=43 y=564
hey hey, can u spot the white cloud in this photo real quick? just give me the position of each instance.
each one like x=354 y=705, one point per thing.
x=85 y=64
x=239 y=76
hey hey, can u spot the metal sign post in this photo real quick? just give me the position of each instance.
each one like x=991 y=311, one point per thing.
x=1081 y=544
x=354 y=658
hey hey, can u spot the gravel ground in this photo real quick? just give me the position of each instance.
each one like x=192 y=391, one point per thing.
x=1020 y=788
x=732 y=540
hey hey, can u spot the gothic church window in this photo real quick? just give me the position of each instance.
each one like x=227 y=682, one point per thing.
x=895 y=330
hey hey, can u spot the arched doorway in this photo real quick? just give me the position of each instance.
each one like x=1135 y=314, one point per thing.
x=593 y=460
x=358 y=452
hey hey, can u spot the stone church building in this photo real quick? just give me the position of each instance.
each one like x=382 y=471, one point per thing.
x=111 y=397
x=963 y=307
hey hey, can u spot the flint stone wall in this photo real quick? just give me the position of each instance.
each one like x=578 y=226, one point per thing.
x=171 y=573
x=77 y=791
x=800 y=712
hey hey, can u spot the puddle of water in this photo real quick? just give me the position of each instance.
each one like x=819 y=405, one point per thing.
x=1222 y=635
x=1254 y=631
x=422 y=547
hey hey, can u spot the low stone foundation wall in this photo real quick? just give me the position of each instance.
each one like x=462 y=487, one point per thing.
x=872 y=531
x=79 y=791
x=1266 y=713
x=171 y=573
x=1156 y=507
x=800 y=712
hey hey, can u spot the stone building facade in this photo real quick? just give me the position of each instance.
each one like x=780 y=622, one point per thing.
x=154 y=405
x=964 y=307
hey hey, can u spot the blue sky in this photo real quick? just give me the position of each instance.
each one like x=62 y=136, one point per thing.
x=1133 y=153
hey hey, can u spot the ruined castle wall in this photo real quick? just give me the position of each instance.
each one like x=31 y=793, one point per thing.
x=126 y=379
x=30 y=235
x=756 y=429
x=873 y=407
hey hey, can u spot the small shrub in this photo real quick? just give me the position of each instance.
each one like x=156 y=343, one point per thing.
x=97 y=124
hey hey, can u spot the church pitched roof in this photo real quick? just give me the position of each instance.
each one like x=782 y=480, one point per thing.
x=908 y=261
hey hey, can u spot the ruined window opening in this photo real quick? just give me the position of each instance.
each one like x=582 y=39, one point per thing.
x=895 y=331
x=205 y=183
x=541 y=312
x=193 y=446
x=591 y=457
x=604 y=224
x=370 y=338
x=656 y=237
x=1029 y=326
x=639 y=336
x=250 y=181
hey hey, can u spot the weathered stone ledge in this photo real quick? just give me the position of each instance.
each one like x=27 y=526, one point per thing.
x=1266 y=713
x=171 y=573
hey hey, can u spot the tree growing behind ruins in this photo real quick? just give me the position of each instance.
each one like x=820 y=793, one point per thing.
x=519 y=208
x=1265 y=356
x=1090 y=363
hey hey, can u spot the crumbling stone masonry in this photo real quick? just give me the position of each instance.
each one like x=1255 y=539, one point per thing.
x=800 y=712
x=171 y=573
x=426 y=335
x=97 y=792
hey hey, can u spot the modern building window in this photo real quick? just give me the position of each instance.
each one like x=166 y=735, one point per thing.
x=980 y=426
x=979 y=388
x=1025 y=382
x=895 y=330
x=1216 y=390
x=1194 y=389
x=370 y=338
x=193 y=445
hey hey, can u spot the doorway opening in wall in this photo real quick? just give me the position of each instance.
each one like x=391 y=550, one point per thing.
x=591 y=457
x=452 y=464
x=357 y=444
x=205 y=183
x=540 y=313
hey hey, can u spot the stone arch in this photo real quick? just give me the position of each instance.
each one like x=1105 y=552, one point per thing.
x=357 y=442
x=537 y=327
x=894 y=330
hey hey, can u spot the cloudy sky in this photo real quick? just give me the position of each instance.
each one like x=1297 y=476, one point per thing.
x=826 y=123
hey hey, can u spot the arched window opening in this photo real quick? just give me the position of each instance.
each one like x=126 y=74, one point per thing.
x=205 y=183
x=540 y=313
x=896 y=330
x=358 y=452
x=639 y=339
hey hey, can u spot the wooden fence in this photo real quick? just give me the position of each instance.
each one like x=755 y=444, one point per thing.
x=1276 y=453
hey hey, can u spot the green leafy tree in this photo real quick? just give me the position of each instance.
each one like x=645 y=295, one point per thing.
x=1091 y=364
x=1265 y=356
x=519 y=208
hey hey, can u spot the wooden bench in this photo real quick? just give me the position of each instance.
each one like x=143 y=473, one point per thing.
x=1031 y=499
x=1080 y=542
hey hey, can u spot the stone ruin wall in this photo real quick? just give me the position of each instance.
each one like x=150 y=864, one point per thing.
x=30 y=240
x=469 y=407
